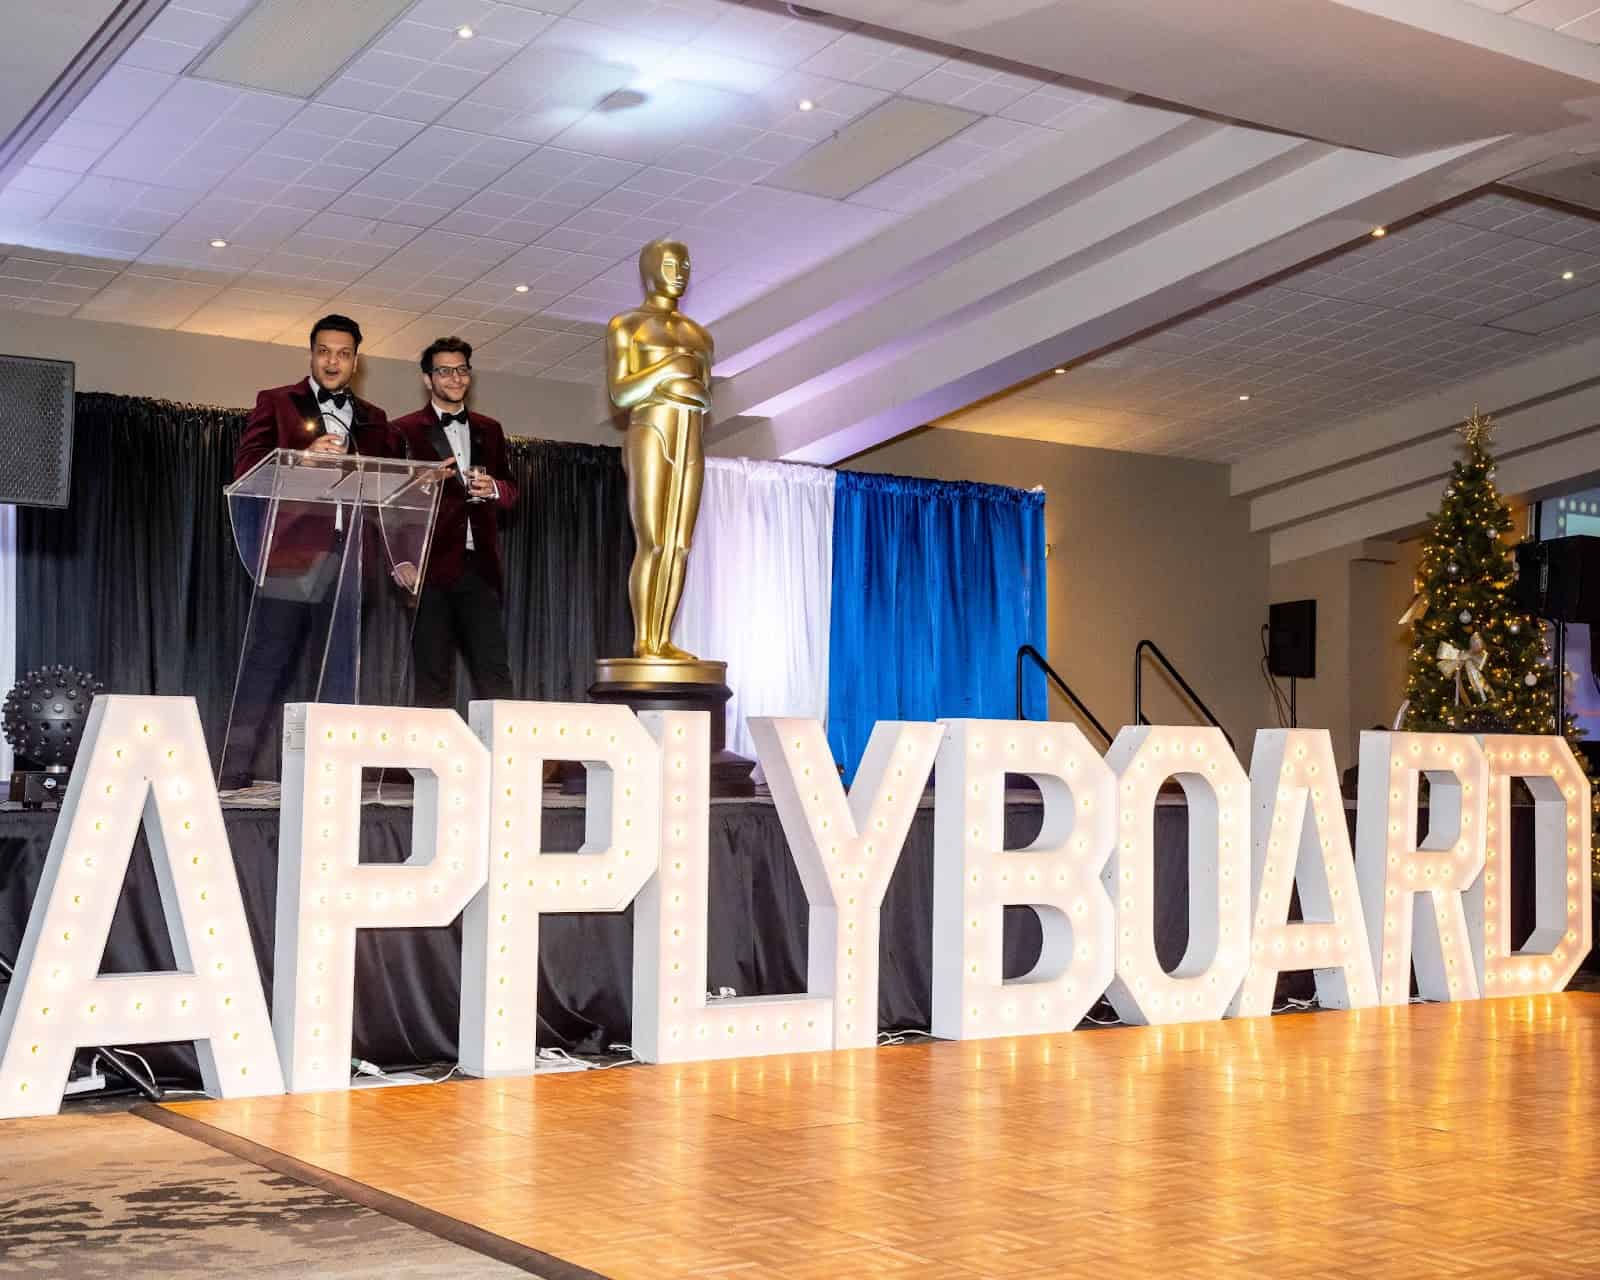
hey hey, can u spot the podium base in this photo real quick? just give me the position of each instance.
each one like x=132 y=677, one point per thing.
x=665 y=684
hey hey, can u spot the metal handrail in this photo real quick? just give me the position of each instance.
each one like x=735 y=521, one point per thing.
x=1028 y=651
x=1166 y=663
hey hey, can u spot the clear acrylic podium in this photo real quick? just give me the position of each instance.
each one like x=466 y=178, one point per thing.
x=336 y=546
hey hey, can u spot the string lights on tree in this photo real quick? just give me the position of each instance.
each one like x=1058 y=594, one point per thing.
x=1477 y=664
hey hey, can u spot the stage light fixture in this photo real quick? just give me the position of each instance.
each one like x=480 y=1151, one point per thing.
x=1407 y=887
x=143 y=760
x=673 y=1021
x=622 y=824
x=975 y=878
x=326 y=893
x=1563 y=910
x=44 y=718
x=846 y=848
x=1299 y=838
x=1218 y=795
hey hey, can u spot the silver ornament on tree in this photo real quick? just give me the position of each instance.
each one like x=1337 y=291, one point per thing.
x=1465 y=615
x=1530 y=679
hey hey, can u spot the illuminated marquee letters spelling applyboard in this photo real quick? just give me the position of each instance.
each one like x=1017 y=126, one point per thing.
x=1439 y=904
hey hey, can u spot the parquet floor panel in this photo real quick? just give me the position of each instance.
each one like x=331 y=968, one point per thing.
x=1451 y=1141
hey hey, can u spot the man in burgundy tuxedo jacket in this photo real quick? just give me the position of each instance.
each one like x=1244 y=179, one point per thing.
x=461 y=608
x=285 y=659
x=319 y=413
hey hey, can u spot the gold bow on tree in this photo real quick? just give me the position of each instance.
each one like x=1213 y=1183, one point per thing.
x=1469 y=662
x=1418 y=608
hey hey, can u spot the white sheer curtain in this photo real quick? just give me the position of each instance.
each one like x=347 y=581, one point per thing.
x=760 y=588
x=8 y=617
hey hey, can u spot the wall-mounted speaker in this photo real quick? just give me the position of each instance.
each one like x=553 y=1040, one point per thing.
x=35 y=431
x=1559 y=579
x=1292 y=639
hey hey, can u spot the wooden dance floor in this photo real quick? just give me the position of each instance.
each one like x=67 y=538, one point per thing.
x=1438 y=1140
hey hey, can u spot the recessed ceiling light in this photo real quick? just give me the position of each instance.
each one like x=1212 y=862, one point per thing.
x=1378 y=233
x=1567 y=275
x=1058 y=371
x=219 y=244
x=805 y=104
x=465 y=32
x=520 y=288
x=1245 y=396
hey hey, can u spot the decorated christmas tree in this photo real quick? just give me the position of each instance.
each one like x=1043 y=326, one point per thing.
x=1477 y=665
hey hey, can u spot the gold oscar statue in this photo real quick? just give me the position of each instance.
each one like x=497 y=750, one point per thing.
x=658 y=369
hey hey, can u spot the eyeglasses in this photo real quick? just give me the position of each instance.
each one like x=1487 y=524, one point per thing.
x=452 y=371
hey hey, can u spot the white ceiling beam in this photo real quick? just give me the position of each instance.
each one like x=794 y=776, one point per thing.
x=1395 y=76
x=1311 y=208
x=1572 y=462
x=1427 y=461
x=1201 y=158
x=963 y=222
x=1386 y=430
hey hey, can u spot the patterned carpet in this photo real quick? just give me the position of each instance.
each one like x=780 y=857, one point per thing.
x=113 y=1195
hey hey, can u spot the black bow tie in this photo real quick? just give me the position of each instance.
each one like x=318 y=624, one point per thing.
x=339 y=398
x=445 y=419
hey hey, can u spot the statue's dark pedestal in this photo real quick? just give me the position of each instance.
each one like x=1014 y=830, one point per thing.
x=730 y=773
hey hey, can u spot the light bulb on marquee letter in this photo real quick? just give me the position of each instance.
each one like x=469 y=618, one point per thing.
x=622 y=825
x=975 y=878
x=326 y=893
x=141 y=759
x=1407 y=889
x=1218 y=796
x=846 y=848
x=672 y=1019
x=1563 y=923
x=1299 y=836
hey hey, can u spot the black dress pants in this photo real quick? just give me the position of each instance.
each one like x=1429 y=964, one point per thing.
x=464 y=617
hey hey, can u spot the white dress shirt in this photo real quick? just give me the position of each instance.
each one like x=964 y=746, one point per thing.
x=335 y=421
x=460 y=438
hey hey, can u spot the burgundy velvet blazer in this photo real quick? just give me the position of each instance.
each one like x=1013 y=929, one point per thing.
x=425 y=440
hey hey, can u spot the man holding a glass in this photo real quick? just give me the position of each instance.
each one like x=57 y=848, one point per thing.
x=461 y=606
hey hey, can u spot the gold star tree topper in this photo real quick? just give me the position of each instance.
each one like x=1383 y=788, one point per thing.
x=1477 y=429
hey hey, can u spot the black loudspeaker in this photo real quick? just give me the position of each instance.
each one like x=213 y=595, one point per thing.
x=1559 y=579
x=1292 y=639
x=35 y=431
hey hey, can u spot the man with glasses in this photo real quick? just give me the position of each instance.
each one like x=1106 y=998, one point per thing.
x=461 y=609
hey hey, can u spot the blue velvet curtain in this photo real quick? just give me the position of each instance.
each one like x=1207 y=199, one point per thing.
x=935 y=587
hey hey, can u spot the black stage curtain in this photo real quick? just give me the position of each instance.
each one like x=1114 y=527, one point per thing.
x=138 y=582
x=567 y=550
x=137 y=579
